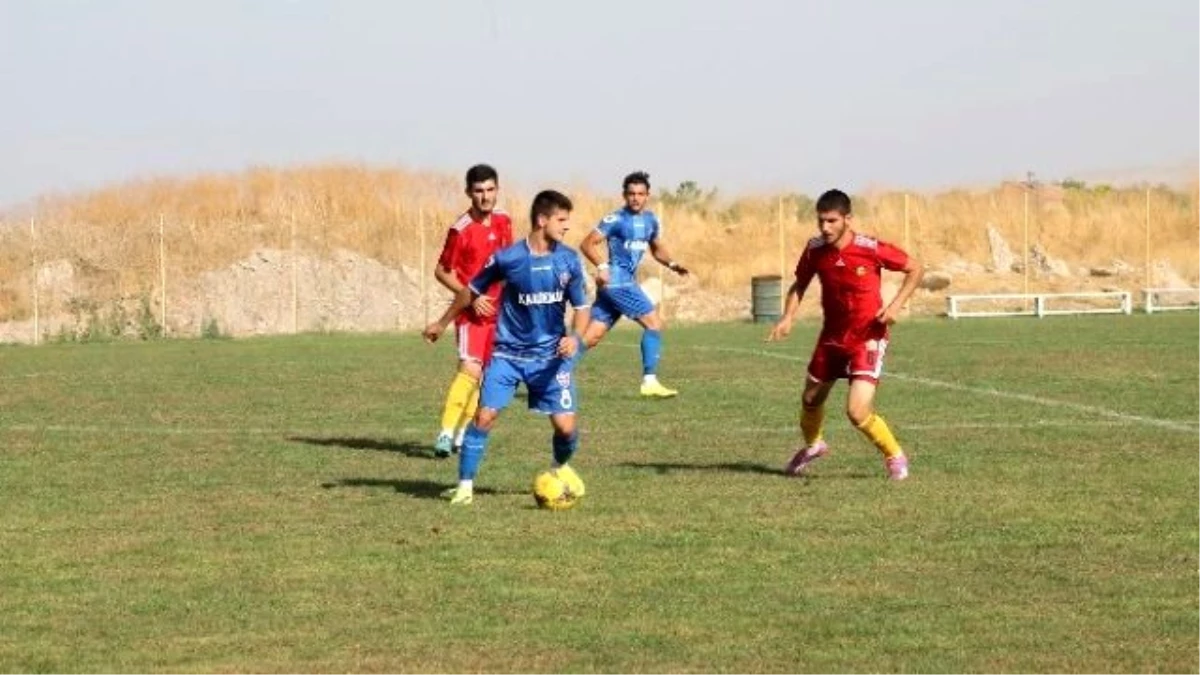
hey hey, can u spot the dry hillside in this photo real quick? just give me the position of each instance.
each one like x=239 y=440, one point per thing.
x=348 y=247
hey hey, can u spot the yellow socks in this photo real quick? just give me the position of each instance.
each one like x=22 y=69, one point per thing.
x=464 y=392
x=812 y=424
x=470 y=408
x=875 y=429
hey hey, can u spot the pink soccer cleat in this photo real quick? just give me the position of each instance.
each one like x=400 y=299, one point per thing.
x=897 y=467
x=804 y=456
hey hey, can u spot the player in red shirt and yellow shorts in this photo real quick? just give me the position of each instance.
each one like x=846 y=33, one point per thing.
x=854 y=335
x=470 y=243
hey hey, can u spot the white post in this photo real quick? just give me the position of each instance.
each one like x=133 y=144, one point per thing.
x=37 y=333
x=783 y=285
x=399 y=259
x=1025 y=246
x=952 y=306
x=1149 y=277
x=295 y=273
x=424 y=282
x=1039 y=306
x=162 y=272
x=662 y=285
x=1127 y=302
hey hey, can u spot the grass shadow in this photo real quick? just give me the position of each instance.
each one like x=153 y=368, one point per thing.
x=423 y=489
x=663 y=468
x=406 y=448
x=735 y=467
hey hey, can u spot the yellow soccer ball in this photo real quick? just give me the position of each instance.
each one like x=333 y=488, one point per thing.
x=552 y=492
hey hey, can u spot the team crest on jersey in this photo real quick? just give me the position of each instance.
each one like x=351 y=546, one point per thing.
x=860 y=270
x=563 y=377
x=564 y=278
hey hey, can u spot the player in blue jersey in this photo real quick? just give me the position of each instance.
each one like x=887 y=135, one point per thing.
x=540 y=274
x=616 y=247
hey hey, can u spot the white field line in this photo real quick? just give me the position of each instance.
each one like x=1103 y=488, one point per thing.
x=1173 y=425
x=1115 y=418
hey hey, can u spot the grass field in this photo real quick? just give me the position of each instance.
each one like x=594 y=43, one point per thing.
x=272 y=505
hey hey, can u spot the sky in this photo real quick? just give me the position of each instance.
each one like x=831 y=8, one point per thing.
x=746 y=96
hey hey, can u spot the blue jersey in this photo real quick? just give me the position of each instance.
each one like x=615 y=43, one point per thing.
x=533 y=303
x=629 y=235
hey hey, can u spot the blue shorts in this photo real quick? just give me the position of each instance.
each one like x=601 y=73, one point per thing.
x=613 y=303
x=551 y=384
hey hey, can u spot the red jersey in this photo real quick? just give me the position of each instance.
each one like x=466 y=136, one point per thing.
x=850 y=284
x=469 y=244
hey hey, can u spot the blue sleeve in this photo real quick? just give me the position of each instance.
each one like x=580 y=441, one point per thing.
x=492 y=272
x=576 y=292
x=655 y=228
x=608 y=224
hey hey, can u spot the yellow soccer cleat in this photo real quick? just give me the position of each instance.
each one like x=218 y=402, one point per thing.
x=657 y=390
x=462 y=497
x=574 y=483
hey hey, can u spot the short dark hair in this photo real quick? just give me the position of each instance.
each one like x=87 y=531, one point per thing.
x=546 y=203
x=636 y=178
x=481 y=173
x=834 y=200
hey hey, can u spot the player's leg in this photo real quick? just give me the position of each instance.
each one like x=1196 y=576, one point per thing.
x=824 y=368
x=499 y=384
x=480 y=337
x=552 y=392
x=635 y=304
x=602 y=318
x=463 y=388
x=865 y=370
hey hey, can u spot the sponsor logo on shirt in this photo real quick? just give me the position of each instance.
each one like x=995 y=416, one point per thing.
x=540 y=298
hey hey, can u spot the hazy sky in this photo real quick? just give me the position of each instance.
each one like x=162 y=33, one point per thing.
x=750 y=95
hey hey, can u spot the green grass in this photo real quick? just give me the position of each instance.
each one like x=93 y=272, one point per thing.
x=271 y=505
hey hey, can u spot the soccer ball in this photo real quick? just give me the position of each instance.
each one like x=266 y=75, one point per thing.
x=552 y=492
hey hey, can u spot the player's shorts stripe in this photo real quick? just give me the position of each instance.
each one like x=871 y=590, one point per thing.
x=463 y=352
x=877 y=371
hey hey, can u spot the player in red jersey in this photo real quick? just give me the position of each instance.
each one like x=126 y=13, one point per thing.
x=475 y=236
x=854 y=335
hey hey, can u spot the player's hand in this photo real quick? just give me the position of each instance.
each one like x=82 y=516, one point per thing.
x=568 y=346
x=780 y=330
x=483 y=306
x=601 y=278
x=886 y=316
x=433 y=331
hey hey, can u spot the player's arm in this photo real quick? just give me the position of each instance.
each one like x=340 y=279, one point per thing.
x=489 y=275
x=897 y=261
x=795 y=293
x=595 y=248
x=443 y=271
x=658 y=249
x=572 y=344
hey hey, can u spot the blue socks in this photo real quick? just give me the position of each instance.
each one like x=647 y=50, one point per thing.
x=651 y=351
x=564 y=447
x=474 y=446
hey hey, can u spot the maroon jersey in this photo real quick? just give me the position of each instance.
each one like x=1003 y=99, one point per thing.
x=850 y=284
x=469 y=245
